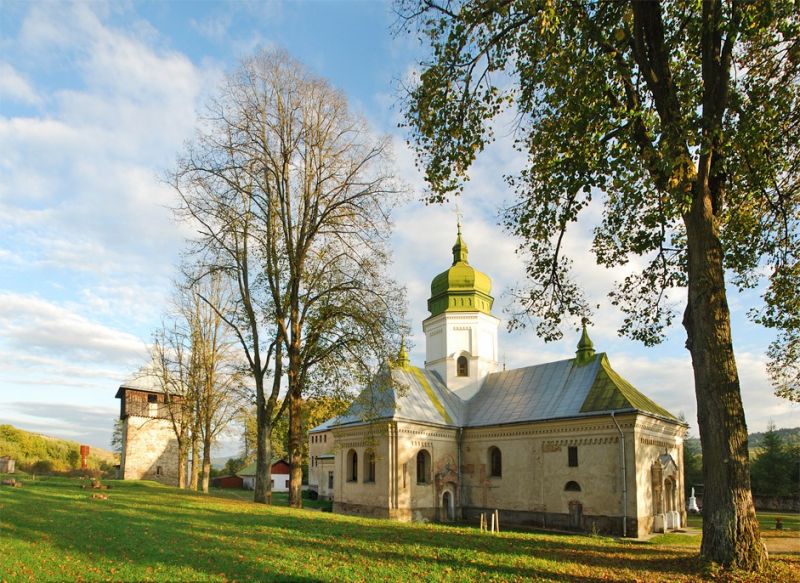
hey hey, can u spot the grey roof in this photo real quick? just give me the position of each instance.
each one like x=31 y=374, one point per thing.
x=409 y=394
x=145 y=379
x=535 y=393
x=545 y=391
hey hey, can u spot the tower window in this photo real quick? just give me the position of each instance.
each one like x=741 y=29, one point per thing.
x=495 y=462
x=423 y=466
x=462 y=366
x=158 y=471
x=572 y=456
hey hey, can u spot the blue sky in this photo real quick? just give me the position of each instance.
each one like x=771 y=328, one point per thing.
x=96 y=100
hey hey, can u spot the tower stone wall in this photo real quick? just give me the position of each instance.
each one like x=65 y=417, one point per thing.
x=149 y=450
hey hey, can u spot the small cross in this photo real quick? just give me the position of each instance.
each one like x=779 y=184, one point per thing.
x=459 y=213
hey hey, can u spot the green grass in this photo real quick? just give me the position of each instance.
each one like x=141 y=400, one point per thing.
x=278 y=498
x=51 y=530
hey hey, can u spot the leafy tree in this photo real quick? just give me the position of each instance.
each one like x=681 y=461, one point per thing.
x=315 y=411
x=233 y=465
x=682 y=117
x=772 y=471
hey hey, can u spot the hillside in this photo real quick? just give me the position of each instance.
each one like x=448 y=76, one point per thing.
x=789 y=436
x=49 y=452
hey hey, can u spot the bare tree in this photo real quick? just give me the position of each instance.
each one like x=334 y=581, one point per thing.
x=171 y=370
x=220 y=392
x=291 y=193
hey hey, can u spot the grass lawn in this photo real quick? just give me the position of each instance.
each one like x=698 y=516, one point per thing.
x=51 y=530
x=278 y=498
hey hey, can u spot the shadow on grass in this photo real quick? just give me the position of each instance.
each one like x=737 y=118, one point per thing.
x=155 y=526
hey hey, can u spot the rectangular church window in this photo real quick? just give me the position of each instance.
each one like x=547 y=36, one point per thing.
x=572 y=456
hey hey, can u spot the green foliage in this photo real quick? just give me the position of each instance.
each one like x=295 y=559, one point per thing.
x=617 y=100
x=316 y=410
x=53 y=531
x=789 y=435
x=692 y=465
x=776 y=470
x=233 y=465
x=51 y=455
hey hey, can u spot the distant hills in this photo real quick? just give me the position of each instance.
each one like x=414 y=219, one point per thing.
x=789 y=435
x=36 y=452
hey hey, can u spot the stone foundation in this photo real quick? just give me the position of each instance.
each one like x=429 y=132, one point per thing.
x=607 y=525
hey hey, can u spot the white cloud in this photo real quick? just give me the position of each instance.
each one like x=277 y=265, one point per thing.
x=14 y=87
x=35 y=326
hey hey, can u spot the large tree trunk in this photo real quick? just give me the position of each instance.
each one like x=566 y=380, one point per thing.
x=183 y=455
x=730 y=530
x=206 y=463
x=195 y=476
x=263 y=489
x=296 y=450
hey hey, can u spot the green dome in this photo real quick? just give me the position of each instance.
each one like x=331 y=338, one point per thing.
x=462 y=288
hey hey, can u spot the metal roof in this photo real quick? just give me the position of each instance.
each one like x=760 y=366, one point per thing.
x=534 y=393
x=554 y=390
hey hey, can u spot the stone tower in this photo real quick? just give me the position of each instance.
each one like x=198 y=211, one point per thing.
x=461 y=332
x=149 y=445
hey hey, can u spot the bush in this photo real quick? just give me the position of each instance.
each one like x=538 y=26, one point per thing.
x=42 y=467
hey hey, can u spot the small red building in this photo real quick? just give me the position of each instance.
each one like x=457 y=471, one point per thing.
x=227 y=482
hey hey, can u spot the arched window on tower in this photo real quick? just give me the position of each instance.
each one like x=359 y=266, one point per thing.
x=572 y=487
x=495 y=462
x=462 y=366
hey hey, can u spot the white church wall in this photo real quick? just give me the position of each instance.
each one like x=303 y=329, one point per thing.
x=370 y=498
x=535 y=471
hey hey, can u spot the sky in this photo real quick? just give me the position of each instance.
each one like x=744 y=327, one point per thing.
x=96 y=102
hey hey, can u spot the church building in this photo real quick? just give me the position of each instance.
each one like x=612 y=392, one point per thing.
x=567 y=444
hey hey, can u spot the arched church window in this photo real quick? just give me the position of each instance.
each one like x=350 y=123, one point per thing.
x=495 y=462
x=462 y=366
x=423 y=466
x=369 y=466
x=352 y=466
x=572 y=487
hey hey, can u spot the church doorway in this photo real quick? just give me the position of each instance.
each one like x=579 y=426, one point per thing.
x=447 y=507
x=669 y=495
x=576 y=515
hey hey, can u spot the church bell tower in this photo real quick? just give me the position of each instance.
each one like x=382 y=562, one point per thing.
x=461 y=332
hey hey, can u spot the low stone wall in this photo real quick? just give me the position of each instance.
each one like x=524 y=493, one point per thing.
x=769 y=503
x=401 y=514
x=552 y=520
x=777 y=503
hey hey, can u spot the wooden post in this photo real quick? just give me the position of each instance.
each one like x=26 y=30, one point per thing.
x=492 y=521
x=497 y=519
